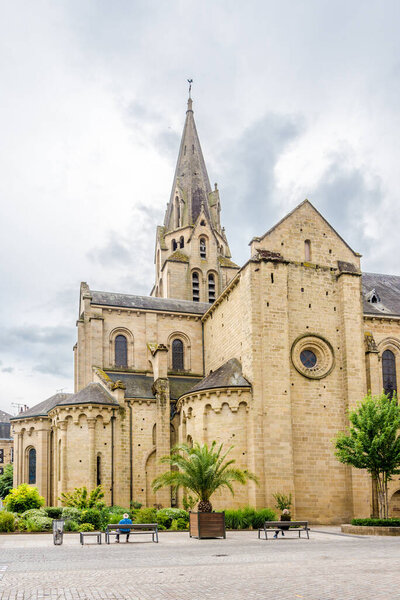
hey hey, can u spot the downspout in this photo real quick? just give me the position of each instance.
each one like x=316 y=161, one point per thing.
x=202 y=342
x=130 y=452
x=112 y=457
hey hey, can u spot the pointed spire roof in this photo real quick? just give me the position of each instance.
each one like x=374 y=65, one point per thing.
x=191 y=177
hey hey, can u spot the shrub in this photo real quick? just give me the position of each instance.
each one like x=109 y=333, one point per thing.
x=22 y=498
x=71 y=525
x=260 y=516
x=165 y=516
x=54 y=512
x=6 y=481
x=20 y=524
x=136 y=505
x=7 y=521
x=38 y=523
x=70 y=512
x=113 y=518
x=116 y=509
x=81 y=498
x=33 y=512
x=86 y=527
x=188 y=502
x=244 y=518
x=145 y=515
x=376 y=522
x=93 y=516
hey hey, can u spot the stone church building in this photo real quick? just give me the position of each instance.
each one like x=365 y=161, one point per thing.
x=267 y=357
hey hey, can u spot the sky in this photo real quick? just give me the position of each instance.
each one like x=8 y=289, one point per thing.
x=292 y=100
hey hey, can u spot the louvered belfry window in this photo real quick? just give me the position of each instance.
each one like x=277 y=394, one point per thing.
x=389 y=373
x=211 y=288
x=121 y=351
x=195 y=287
x=32 y=466
x=177 y=355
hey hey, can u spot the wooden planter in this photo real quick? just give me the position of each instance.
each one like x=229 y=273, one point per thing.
x=207 y=525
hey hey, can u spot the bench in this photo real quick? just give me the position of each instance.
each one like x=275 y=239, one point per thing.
x=83 y=534
x=135 y=528
x=277 y=526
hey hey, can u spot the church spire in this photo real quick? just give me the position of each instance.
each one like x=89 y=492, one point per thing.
x=191 y=186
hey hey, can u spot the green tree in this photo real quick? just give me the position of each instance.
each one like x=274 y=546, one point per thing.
x=23 y=498
x=81 y=498
x=201 y=469
x=372 y=443
x=6 y=481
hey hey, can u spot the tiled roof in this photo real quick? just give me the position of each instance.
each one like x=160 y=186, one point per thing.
x=139 y=386
x=42 y=408
x=4 y=417
x=229 y=375
x=387 y=294
x=148 y=303
x=93 y=393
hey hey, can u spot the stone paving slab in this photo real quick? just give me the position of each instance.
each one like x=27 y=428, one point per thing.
x=179 y=568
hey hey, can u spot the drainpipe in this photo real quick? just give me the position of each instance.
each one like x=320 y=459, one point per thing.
x=202 y=342
x=130 y=451
x=112 y=457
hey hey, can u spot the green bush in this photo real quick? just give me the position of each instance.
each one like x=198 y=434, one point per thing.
x=376 y=522
x=22 y=498
x=247 y=517
x=165 y=516
x=6 y=481
x=82 y=498
x=86 y=527
x=71 y=525
x=116 y=509
x=145 y=515
x=93 y=516
x=136 y=505
x=262 y=515
x=33 y=512
x=54 y=512
x=113 y=518
x=70 y=512
x=38 y=523
x=7 y=521
x=20 y=524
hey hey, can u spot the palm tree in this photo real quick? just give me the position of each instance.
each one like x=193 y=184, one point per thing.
x=202 y=470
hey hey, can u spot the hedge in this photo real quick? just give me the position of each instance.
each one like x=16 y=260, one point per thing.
x=376 y=522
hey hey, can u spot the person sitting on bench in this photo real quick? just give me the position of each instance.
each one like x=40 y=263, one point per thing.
x=127 y=521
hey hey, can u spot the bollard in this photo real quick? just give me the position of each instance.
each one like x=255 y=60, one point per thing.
x=58 y=531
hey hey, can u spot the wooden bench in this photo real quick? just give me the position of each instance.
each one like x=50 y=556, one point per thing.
x=281 y=526
x=135 y=528
x=96 y=534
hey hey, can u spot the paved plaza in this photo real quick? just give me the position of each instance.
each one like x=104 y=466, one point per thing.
x=328 y=566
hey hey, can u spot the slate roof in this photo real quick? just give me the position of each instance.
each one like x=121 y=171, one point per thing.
x=5 y=431
x=4 y=417
x=139 y=386
x=93 y=393
x=148 y=303
x=229 y=375
x=387 y=287
x=42 y=409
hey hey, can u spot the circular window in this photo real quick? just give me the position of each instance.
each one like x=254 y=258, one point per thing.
x=312 y=356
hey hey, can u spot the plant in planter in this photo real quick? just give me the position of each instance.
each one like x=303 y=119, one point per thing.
x=202 y=469
x=283 y=503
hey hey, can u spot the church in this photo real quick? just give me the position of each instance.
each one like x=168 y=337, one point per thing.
x=266 y=357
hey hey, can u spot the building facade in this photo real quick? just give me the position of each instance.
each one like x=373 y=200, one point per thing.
x=6 y=441
x=267 y=358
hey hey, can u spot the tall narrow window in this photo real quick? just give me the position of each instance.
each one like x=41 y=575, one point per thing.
x=195 y=287
x=177 y=355
x=121 y=351
x=307 y=251
x=203 y=250
x=211 y=287
x=181 y=241
x=32 y=466
x=177 y=212
x=98 y=470
x=174 y=245
x=389 y=373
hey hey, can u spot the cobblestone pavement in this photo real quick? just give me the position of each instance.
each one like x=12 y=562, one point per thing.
x=326 y=567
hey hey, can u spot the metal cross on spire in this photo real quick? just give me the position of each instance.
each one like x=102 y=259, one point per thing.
x=190 y=81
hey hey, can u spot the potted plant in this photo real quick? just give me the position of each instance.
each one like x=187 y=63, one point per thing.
x=283 y=503
x=202 y=469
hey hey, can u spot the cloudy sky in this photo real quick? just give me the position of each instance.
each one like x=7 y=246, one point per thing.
x=292 y=100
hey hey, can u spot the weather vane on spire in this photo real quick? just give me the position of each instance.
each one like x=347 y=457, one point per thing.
x=190 y=81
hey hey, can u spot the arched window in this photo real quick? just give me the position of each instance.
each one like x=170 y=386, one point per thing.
x=98 y=470
x=389 y=373
x=154 y=434
x=195 y=287
x=211 y=287
x=121 y=351
x=203 y=249
x=32 y=466
x=177 y=355
x=181 y=241
x=174 y=245
x=307 y=251
x=189 y=441
x=177 y=212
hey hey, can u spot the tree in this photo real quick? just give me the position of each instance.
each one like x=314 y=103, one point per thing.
x=6 y=481
x=81 y=498
x=202 y=470
x=372 y=443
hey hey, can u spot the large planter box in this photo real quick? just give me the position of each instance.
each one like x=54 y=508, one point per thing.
x=207 y=525
x=370 y=530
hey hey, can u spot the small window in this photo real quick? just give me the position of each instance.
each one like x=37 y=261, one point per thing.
x=307 y=251
x=121 y=351
x=1 y=455
x=182 y=241
x=195 y=287
x=98 y=470
x=12 y=454
x=177 y=355
x=202 y=222
x=389 y=373
x=189 y=441
x=211 y=287
x=32 y=466
x=174 y=245
x=203 y=249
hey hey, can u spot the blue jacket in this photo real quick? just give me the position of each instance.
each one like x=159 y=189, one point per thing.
x=127 y=522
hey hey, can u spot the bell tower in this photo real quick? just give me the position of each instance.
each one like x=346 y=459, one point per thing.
x=192 y=255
